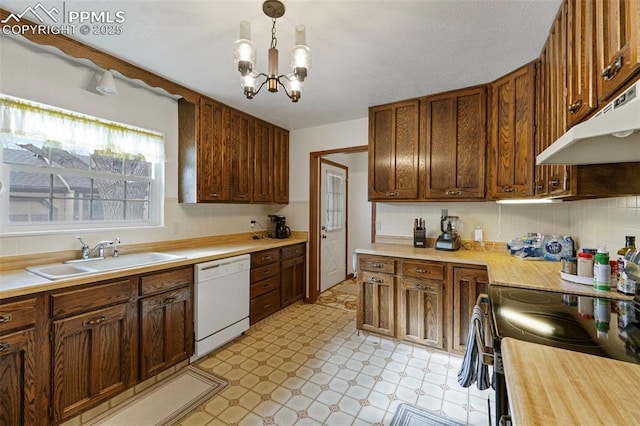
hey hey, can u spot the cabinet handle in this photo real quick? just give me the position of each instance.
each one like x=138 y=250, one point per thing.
x=5 y=318
x=423 y=271
x=265 y=272
x=169 y=300
x=554 y=183
x=421 y=287
x=392 y=194
x=376 y=280
x=453 y=192
x=376 y=265
x=214 y=194
x=94 y=321
x=265 y=285
x=508 y=189
x=611 y=70
x=266 y=257
x=4 y=347
x=266 y=305
x=575 y=107
x=539 y=187
x=242 y=195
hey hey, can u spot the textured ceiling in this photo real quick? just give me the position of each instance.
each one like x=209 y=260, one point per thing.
x=363 y=52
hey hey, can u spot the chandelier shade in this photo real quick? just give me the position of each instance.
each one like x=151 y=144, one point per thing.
x=251 y=80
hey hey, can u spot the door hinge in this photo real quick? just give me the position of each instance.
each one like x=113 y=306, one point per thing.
x=50 y=412
x=51 y=336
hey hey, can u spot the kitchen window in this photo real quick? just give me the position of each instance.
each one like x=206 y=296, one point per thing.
x=335 y=202
x=66 y=170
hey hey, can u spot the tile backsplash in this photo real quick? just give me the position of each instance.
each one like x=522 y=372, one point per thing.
x=591 y=222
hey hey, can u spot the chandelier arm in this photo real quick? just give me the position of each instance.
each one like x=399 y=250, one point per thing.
x=263 y=83
x=283 y=86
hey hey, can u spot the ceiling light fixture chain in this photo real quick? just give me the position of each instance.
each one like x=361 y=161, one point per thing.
x=299 y=57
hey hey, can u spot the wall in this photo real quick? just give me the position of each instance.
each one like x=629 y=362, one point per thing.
x=29 y=72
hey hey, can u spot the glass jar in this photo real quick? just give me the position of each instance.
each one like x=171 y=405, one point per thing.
x=585 y=265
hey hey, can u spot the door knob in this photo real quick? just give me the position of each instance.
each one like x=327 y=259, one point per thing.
x=324 y=236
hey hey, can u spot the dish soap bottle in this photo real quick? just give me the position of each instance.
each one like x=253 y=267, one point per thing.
x=625 y=284
x=601 y=270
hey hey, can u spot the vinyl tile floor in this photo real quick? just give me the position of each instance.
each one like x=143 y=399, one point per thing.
x=308 y=365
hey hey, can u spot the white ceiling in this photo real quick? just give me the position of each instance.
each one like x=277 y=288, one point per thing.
x=364 y=53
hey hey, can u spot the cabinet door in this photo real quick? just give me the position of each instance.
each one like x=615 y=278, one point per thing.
x=212 y=169
x=421 y=311
x=468 y=283
x=581 y=44
x=18 y=379
x=263 y=159
x=553 y=180
x=511 y=155
x=166 y=330
x=453 y=126
x=393 y=151
x=376 y=307
x=93 y=358
x=618 y=44
x=239 y=147
x=281 y=166
x=293 y=278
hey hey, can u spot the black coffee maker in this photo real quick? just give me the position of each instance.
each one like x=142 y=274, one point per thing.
x=277 y=227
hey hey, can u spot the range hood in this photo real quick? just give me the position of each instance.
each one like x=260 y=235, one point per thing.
x=611 y=136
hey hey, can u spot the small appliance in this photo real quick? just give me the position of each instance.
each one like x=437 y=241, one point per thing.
x=449 y=240
x=278 y=227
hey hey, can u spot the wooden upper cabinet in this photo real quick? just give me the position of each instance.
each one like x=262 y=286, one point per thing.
x=581 y=44
x=511 y=134
x=393 y=151
x=263 y=161
x=618 y=44
x=453 y=131
x=239 y=145
x=212 y=169
x=281 y=166
x=225 y=155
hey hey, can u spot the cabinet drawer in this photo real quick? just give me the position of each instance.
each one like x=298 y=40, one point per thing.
x=17 y=314
x=293 y=251
x=434 y=271
x=376 y=264
x=265 y=305
x=166 y=280
x=372 y=277
x=265 y=257
x=90 y=298
x=264 y=286
x=292 y=262
x=421 y=284
x=261 y=273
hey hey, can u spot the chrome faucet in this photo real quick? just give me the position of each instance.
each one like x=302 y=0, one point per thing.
x=99 y=248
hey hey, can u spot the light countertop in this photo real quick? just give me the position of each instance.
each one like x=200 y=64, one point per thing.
x=552 y=386
x=19 y=282
x=503 y=269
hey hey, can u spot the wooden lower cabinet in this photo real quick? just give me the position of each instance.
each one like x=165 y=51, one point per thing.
x=421 y=311
x=166 y=330
x=468 y=283
x=93 y=358
x=18 y=378
x=292 y=280
x=424 y=302
x=376 y=311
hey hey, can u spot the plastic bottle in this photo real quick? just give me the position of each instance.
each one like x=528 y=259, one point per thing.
x=601 y=270
x=585 y=265
x=625 y=284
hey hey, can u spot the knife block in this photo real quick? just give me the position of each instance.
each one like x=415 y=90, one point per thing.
x=420 y=238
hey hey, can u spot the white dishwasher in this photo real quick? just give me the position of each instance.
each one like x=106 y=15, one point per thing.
x=221 y=302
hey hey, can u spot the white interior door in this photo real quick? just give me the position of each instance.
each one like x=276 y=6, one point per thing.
x=333 y=226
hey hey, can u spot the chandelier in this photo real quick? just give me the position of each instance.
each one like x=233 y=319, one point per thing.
x=245 y=57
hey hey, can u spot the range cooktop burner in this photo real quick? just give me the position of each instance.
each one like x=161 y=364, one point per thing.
x=556 y=328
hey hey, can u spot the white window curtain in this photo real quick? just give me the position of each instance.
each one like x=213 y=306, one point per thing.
x=46 y=127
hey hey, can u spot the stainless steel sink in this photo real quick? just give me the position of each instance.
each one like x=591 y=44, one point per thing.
x=59 y=271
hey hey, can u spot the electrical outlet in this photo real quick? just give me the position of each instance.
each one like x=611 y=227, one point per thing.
x=477 y=233
x=253 y=223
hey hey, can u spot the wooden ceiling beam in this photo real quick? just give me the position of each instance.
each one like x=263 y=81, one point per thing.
x=103 y=60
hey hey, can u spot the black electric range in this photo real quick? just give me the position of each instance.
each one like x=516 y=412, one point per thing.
x=599 y=326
